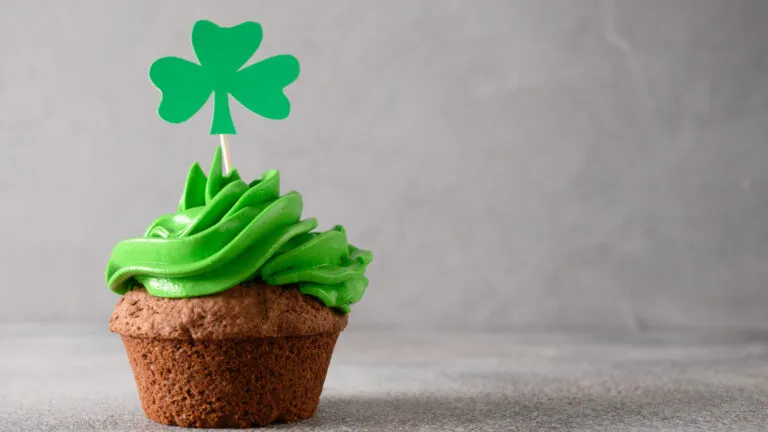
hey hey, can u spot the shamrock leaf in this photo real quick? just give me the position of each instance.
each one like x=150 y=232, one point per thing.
x=184 y=85
x=222 y=53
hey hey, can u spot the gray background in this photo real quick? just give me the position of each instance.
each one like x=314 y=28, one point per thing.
x=512 y=164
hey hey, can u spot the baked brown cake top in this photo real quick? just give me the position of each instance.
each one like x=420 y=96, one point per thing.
x=249 y=310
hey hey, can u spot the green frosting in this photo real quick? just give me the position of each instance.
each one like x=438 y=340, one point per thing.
x=226 y=232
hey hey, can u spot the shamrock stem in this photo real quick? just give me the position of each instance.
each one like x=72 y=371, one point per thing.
x=222 y=119
x=226 y=160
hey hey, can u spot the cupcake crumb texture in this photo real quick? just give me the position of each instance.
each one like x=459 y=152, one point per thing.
x=249 y=310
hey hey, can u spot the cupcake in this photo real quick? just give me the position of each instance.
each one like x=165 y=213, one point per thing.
x=231 y=307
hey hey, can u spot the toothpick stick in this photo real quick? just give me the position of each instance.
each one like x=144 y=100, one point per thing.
x=225 y=153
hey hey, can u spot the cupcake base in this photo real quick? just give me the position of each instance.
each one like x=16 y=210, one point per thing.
x=230 y=382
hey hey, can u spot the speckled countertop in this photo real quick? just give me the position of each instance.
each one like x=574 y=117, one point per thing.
x=77 y=378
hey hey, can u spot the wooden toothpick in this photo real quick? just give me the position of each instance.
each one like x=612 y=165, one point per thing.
x=225 y=153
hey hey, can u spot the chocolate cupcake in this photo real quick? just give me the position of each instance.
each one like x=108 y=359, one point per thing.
x=232 y=305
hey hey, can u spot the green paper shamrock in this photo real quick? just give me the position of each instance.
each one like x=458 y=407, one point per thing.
x=222 y=52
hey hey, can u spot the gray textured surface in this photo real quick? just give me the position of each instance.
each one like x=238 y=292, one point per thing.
x=551 y=163
x=78 y=378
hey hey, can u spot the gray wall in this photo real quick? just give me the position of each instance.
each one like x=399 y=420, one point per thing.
x=510 y=163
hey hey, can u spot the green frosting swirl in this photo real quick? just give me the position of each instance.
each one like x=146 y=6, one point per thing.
x=226 y=232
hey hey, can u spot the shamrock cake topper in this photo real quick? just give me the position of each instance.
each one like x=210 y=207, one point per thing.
x=222 y=52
